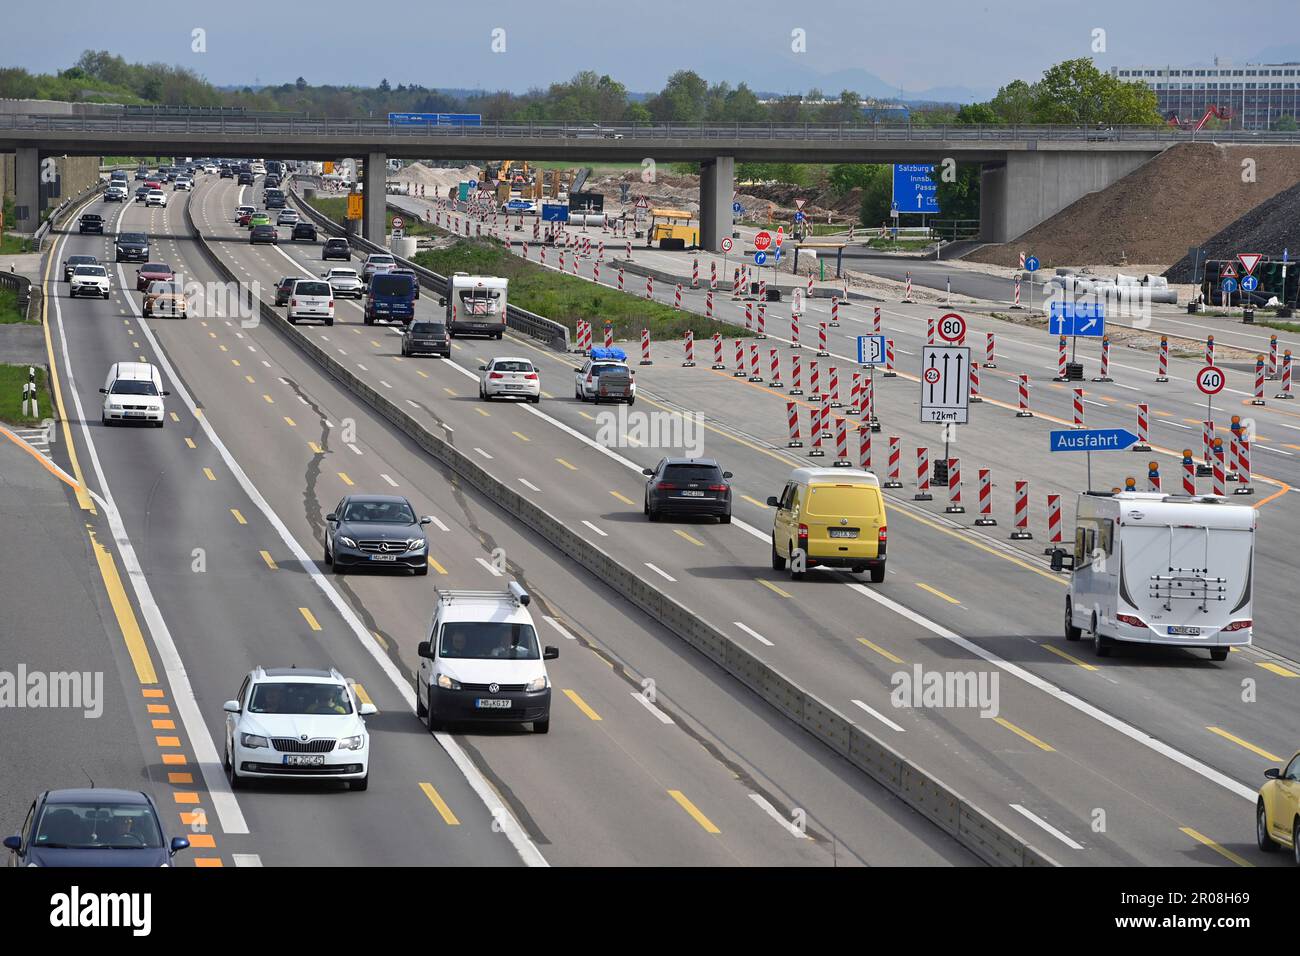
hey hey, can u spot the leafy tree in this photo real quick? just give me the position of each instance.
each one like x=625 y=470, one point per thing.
x=1285 y=124
x=682 y=99
x=977 y=113
x=876 y=194
x=959 y=199
x=300 y=83
x=1015 y=102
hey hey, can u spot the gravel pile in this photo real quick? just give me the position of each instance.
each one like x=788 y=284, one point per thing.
x=1269 y=228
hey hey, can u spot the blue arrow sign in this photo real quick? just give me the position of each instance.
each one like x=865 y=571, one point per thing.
x=871 y=349
x=800 y=216
x=473 y=184
x=1250 y=283
x=1229 y=285
x=760 y=258
x=737 y=208
x=1076 y=318
x=1031 y=263
x=1096 y=439
x=777 y=254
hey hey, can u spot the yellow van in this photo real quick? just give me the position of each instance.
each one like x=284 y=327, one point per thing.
x=834 y=517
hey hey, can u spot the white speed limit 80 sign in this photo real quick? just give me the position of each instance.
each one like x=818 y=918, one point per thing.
x=1210 y=380
x=952 y=328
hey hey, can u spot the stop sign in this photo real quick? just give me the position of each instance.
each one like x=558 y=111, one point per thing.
x=763 y=241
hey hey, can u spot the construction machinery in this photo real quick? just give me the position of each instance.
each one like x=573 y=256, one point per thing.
x=1223 y=113
x=672 y=229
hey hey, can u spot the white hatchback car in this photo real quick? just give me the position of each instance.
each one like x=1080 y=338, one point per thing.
x=155 y=197
x=311 y=299
x=510 y=378
x=298 y=723
x=133 y=392
x=185 y=183
x=88 y=280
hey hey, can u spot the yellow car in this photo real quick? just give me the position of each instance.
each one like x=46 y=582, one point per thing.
x=1277 y=814
x=165 y=298
x=833 y=517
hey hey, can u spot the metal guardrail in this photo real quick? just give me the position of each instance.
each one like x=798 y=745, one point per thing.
x=20 y=286
x=534 y=326
x=731 y=132
x=58 y=212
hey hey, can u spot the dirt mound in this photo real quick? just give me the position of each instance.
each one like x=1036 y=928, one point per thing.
x=1181 y=198
x=683 y=191
x=1269 y=228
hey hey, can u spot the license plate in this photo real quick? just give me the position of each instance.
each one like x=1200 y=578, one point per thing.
x=133 y=414
x=383 y=557
x=1180 y=631
x=692 y=494
x=304 y=760
x=843 y=533
x=493 y=703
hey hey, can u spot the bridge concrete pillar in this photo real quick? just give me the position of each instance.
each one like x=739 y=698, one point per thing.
x=374 y=222
x=1033 y=186
x=27 y=189
x=717 y=185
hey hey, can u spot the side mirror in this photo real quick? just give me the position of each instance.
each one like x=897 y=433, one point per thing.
x=773 y=502
x=424 y=649
x=426 y=520
x=648 y=471
x=103 y=391
x=442 y=300
x=1061 y=560
x=166 y=391
x=578 y=370
x=231 y=707
x=178 y=844
x=726 y=474
x=482 y=368
x=13 y=843
x=1272 y=773
x=331 y=517
x=550 y=653
x=367 y=710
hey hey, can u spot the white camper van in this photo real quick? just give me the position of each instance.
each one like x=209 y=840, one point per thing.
x=1151 y=568
x=476 y=305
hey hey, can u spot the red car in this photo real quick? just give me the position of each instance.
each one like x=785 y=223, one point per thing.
x=152 y=272
x=246 y=215
x=152 y=184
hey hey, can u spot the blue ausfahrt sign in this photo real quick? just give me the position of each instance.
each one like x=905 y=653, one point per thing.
x=1096 y=439
x=1076 y=318
x=915 y=190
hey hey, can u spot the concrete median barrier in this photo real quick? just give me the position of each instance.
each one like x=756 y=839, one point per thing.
x=922 y=791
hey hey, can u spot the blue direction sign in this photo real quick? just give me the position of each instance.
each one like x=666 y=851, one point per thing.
x=777 y=254
x=1076 y=318
x=1095 y=439
x=473 y=185
x=1249 y=283
x=1031 y=263
x=1229 y=285
x=871 y=349
x=800 y=216
x=737 y=208
x=760 y=258
x=915 y=189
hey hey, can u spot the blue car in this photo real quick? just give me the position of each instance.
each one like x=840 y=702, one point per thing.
x=93 y=827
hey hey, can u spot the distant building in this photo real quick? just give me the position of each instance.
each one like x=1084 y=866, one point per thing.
x=886 y=113
x=1257 y=94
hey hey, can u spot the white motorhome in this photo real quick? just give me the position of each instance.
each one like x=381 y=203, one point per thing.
x=476 y=305
x=1151 y=568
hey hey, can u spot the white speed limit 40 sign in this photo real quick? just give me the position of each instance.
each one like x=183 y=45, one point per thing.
x=1210 y=380
x=952 y=328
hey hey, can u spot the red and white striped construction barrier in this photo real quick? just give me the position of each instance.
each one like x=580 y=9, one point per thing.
x=1209 y=350
x=620 y=276
x=929 y=330
x=690 y=350
x=867 y=403
x=600 y=250
x=835 y=312
x=1234 y=433
x=1285 y=394
x=645 y=347
x=1162 y=369
x=985 y=518
x=907 y=296
x=1104 y=374
x=749 y=315
x=735 y=284
x=1143 y=428
x=717 y=351
x=1022 y=532
x=810 y=285
x=1189 y=473
x=1220 y=474
x=629 y=248
x=855 y=394
x=894 y=470
x=975 y=382
x=1272 y=356
x=875 y=320
x=889 y=359
x=609 y=335
x=677 y=297
x=695 y=273
x=922 y=475
x=989 y=358
x=774 y=377
x=842 y=444
x=713 y=275
x=537 y=231
x=792 y=417
x=864 y=447
x=1016 y=303
x=815 y=429
x=739 y=371
x=754 y=374
x=796 y=375
x=586 y=245
x=541 y=256
x=1153 y=476
x=1023 y=411
x=649 y=287
x=814 y=380
x=1243 y=467
x=1061 y=359
x=1078 y=407
x=708 y=305
x=1207 y=442
x=955 y=506
x=794 y=331
x=821 y=339
x=826 y=416
x=762 y=290
x=587 y=336
x=834 y=388
x=1054 y=519
x=595 y=271
x=525 y=245
x=1259 y=381
x=762 y=320
x=1022 y=262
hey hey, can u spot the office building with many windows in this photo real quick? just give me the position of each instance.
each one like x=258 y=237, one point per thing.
x=1256 y=95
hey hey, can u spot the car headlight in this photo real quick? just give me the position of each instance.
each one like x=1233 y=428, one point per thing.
x=253 y=741
x=352 y=743
x=115 y=406
x=344 y=539
x=415 y=544
x=446 y=683
x=538 y=683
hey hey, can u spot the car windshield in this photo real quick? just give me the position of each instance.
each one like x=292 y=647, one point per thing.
x=81 y=260
x=427 y=328
x=489 y=640
x=608 y=367
x=89 y=271
x=294 y=697
x=380 y=260
x=134 y=237
x=98 y=826
x=158 y=267
x=337 y=243
x=693 y=472
x=393 y=512
x=311 y=288
x=388 y=284
x=131 y=386
x=502 y=365
x=343 y=273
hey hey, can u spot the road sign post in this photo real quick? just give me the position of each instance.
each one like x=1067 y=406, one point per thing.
x=1090 y=440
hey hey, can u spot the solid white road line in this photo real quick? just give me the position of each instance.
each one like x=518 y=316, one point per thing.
x=488 y=567
x=645 y=702
x=662 y=573
x=753 y=633
x=528 y=484
x=389 y=480
x=772 y=812
x=246 y=859
x=559 y=627
x=880 y=717
x=594 y=528
x=1035 y=818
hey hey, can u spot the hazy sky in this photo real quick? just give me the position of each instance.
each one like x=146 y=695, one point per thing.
x=918 y=44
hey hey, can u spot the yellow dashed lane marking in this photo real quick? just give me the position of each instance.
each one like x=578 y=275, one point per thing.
x=310 y=618
x=270 y=561
x=440 y=804
x=566 y=464
x=581 y=704
x=693 y=810
x=1222 y=851
x=682 y=534
x=623 y=498
x=346 y=479
x=1024 y=734
x=238 y=517
x=209 y=474
x=772 y=587
x=1259 y=751
x=893 y=659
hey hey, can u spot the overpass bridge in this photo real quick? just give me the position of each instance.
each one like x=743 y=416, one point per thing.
x=1028 y=172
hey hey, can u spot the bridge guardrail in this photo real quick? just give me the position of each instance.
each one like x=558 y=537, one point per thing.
x=21 y=286
x=925 y=793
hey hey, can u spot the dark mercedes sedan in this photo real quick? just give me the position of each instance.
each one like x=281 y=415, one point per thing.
x=92 y=827
x=376 y=531
x=688 y=486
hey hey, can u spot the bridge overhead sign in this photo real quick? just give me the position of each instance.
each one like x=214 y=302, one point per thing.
x=945 y=384
x=914 y=189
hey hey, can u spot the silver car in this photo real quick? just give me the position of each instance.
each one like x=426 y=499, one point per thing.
x=344 y=282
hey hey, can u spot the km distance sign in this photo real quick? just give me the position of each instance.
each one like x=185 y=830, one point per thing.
x=945 y=384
